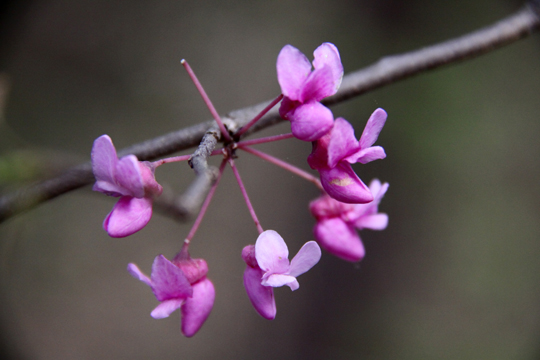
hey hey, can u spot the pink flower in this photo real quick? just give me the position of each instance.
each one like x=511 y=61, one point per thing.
x=131 y=180
x=337 y=222
x=268 y=266
x=334 y=153
x=180 y=283
x=303 y=89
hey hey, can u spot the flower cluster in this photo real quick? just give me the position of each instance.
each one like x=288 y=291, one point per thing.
x=345 y=205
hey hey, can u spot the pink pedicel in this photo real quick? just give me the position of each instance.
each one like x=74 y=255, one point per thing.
x=268 y=266
x=334 y=153
x=337 y=222
x=303 y=89
x=180 y=283
x=131 y=180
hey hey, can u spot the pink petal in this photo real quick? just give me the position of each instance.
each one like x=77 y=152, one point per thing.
x=150 y=185
x=138 y=274
x=325 y=207
x=261 y=297
x=128 y=216
x=271 y=252
x=318 y=159
x=311 y=121
x=328 y=55
x=340 y=239
x=166 y=308
x=342 y=142
x=292 y=70
x=367 y=155
x=319 y=84
x=128 y=175
x=168 y=281
x=373 y=222
x=294 y=285
x=104 y=159
x=196 y=309
x=307 y=257
x=342 y=184
x=373 y=128
x=277 y=280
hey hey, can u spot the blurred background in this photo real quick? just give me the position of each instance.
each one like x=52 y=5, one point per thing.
x=455 y=276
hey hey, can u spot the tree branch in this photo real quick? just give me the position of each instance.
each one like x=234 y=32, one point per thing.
x=386 y=71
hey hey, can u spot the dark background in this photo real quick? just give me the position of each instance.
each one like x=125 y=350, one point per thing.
x=455 y=276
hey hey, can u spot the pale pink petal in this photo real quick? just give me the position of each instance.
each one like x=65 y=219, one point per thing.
x=292 y=70
x=328 y=55
x=373 y=128
x=196 y=309
x=110 y=189
x=373 y=222
x=340 y=239
x=166 y=308
x=307 y=257
x=104 y=159
x=261 y=297
x=342 y=142
x=271 y=252
x=128 y=175
x=277 y=280
x=318 y=85
x=365 y=156
x=168 y=281
x=151 y=186
x=294 y=285
x=138 y=274
x=361 y=210
x=311 y=121
x=342 y=184
x=128 y=216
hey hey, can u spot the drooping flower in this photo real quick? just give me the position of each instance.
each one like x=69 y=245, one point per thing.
x=268 y=266
x=334 y=153
x=303 y=89
x=181 y=283
x=131 y=180
x=337 y=222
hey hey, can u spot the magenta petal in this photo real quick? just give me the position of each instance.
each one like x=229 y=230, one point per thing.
x=271 y=252
x=261 y=297
x=342 y=184
x=318 y=85
x=328 y=55
x=340 y=239
x=311 y=121
x=168 y=281
x=373 y=128
x=342 y=142
x=196 y=309
x=104 y=159
x=307 y=257
x=138 y=274
x=277 y=280
x=367 y=155
x=373 y=222
x=128 y=175
x=166 y=308
x=292 y=70
x=128 y=216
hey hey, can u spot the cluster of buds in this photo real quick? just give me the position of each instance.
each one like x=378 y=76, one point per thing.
x=346 y=204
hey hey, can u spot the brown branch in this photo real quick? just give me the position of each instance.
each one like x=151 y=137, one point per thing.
x=386 y=71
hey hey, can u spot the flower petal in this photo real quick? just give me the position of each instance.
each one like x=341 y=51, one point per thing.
x=272 y=253
x=292 y=70
x=318 y=85
x=196 y=309
x=168 y=281
x=307 y=257
x=373 y=222
x=340 y=239
x=128 y=175
x=328 y=55
x=128 y=216
x=373 y=128
x=365 y=156
x=277 y=280
x=311 y=121
x=342 y=142
x=138 y=274
x=261 y=297
x=104 y=159
x=166 y=308
x=344 y=185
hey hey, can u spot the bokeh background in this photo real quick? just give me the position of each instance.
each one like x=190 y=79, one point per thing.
x=455 y=276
